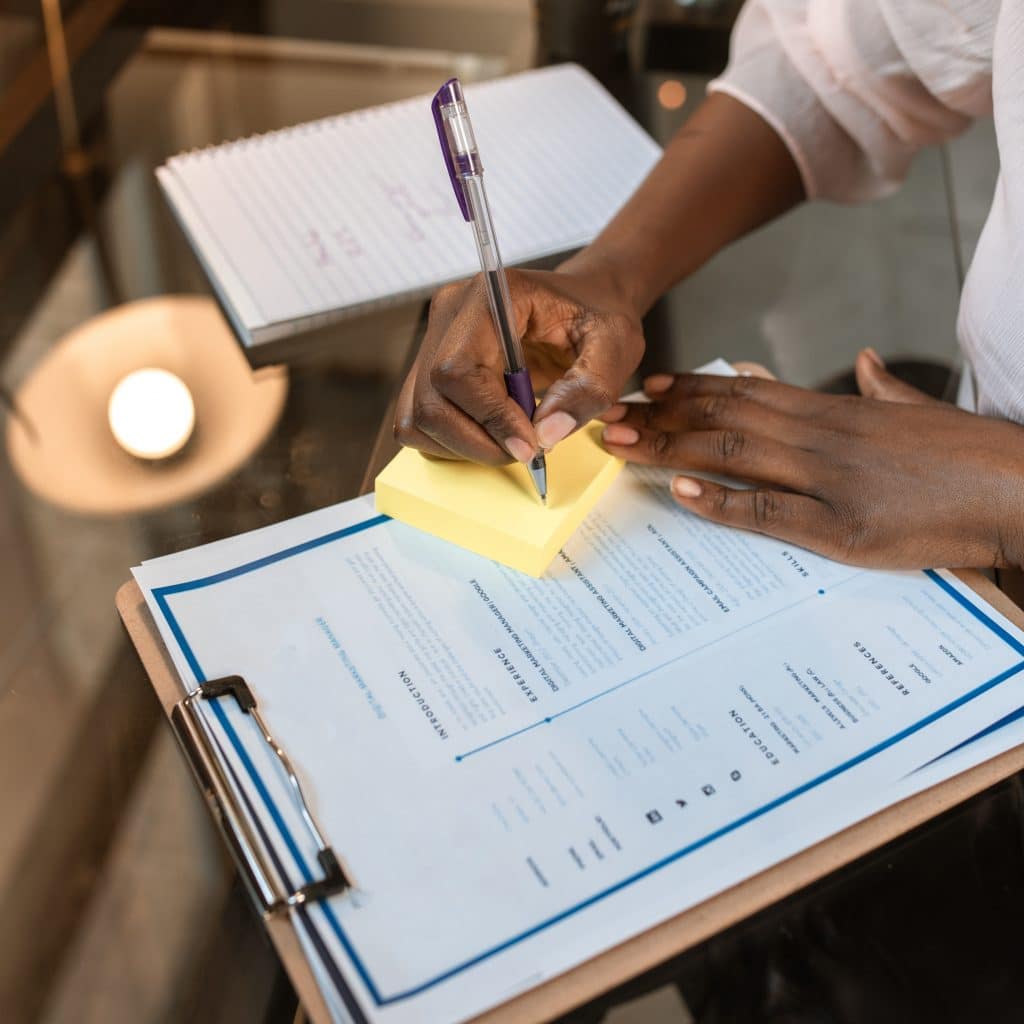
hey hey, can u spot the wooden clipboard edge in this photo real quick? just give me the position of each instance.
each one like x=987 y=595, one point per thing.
x=687 y=929
x=156 y=660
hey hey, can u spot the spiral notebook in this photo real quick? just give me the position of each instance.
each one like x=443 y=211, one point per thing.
x=301 y=227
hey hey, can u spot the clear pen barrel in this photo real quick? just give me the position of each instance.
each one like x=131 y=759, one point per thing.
x=494 y=272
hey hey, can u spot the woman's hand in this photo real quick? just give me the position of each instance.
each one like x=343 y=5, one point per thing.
x=582 y=339
x=581 y=324
x=891 y=479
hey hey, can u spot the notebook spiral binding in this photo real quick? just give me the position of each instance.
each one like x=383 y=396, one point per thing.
x=321 y=124
x=470 y=72
x=250 y=853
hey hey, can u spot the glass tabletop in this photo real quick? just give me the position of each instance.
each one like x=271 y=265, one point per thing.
x=114 y=885
x=118 y=900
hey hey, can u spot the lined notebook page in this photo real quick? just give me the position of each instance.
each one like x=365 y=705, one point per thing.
x=298 y=226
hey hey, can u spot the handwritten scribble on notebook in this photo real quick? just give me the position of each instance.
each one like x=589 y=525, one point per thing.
x=303 y=226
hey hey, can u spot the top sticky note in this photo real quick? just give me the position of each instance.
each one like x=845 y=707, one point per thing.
x=495 y=511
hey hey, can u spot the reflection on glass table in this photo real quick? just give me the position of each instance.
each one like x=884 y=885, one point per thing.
x=118 y=900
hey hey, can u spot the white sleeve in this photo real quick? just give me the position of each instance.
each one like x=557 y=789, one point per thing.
x=856 y=87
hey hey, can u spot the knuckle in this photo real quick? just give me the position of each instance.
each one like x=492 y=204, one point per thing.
x=712 y=410
x=745 y=387
x=600 y=393
x=494 y=420
x=731 y=444
x=404 y=428
x=447 y=372
x=663 y=443
x=722 y=502
x=767 y=509
x=426 y=413
x=458 y=373
x=593 y=390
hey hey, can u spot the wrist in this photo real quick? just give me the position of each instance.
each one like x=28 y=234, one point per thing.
x=1009 y=532
x=613 y=277
x=1006 y=526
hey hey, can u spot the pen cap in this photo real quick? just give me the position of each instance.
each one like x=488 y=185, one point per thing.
x=455 y=134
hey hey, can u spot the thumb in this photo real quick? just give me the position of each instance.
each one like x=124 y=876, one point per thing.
x=610 y=351
x=875 y=381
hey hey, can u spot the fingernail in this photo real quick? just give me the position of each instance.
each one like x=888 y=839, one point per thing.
x=519 y=449
x=685 y=487
x=554 y=428
x=875 y=358
x=615 y=413
x=657 y=383
x=619 y=433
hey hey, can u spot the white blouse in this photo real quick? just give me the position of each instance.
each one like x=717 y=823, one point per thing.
x=856 y=87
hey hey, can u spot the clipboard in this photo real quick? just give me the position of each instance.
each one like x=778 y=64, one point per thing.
x=649 y=949
x=621 y=963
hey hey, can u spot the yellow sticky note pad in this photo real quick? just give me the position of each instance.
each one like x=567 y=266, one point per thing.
x=496 y=512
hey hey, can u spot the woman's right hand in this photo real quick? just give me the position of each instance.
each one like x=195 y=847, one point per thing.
x=580 y=325
x=582 y=339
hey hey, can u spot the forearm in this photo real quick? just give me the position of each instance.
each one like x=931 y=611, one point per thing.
x=725 y=173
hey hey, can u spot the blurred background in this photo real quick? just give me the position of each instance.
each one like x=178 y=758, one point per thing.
x=116 y=900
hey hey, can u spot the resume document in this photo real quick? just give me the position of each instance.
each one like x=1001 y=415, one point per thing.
x=520 y=773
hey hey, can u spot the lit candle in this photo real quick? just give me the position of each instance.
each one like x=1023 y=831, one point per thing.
x=151 y=413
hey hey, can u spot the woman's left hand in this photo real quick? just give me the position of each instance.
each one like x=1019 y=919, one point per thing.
x=890 y=478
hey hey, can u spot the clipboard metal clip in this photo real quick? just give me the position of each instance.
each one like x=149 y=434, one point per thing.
x=239 y=827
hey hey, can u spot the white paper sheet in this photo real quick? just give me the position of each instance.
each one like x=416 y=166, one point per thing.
x=521 y=773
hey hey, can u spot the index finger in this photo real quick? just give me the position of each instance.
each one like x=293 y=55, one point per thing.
x=468 y=370
x=773 y=394
x=457 y=384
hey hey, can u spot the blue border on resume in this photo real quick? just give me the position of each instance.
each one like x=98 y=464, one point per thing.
x=161 y=595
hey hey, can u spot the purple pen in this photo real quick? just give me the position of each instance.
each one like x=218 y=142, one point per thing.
x=461 y=157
